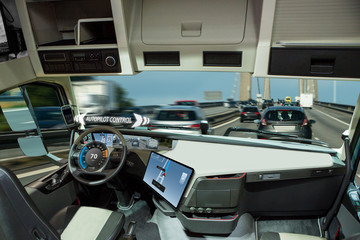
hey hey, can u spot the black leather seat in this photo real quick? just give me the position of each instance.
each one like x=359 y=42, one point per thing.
x=21 y=219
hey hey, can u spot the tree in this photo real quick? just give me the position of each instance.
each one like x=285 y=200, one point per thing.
x=122 y=100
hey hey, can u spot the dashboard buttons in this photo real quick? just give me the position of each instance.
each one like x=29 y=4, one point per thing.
x=200 y=210
x=208 y=210
x=192 y=209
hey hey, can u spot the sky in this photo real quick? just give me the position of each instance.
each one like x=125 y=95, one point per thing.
x=154 y=88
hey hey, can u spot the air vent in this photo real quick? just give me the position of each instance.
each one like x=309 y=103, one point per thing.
x=222 y=59
x=162 y=58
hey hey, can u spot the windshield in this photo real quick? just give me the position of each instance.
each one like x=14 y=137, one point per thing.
x=158 y=102
x=154 y=93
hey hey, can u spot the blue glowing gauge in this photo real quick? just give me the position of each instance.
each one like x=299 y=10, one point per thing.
x=93 y=156
x=83 y=163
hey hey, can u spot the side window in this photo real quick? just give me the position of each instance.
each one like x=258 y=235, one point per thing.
x=18 y=122
x=46 y=104
x=10 y=100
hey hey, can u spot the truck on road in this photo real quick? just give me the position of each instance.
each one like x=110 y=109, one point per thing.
x=95 y=97
x=306 y=100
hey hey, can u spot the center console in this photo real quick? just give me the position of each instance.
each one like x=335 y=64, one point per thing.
x=213 y=204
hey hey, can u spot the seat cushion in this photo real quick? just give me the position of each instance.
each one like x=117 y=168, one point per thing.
x=62 y=218
x=288 y=236
x=94 y=223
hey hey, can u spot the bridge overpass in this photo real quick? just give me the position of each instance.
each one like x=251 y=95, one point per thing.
x=304 y=86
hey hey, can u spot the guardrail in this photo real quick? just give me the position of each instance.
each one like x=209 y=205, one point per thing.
x=210 y=104
x=336 y=106
x=219 y=118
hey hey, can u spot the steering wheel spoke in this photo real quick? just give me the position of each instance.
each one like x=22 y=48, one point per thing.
x=88 y=162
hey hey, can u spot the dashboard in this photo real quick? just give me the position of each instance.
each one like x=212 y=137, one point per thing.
x=132 y=141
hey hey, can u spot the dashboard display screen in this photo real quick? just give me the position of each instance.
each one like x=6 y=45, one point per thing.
x=106 y=138
x=167 y=177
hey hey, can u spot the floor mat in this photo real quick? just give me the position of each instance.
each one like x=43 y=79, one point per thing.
x=141 y=214
x=301 y=226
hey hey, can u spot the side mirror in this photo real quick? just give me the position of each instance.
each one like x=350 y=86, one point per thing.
x=32 y=146
x=204 y=127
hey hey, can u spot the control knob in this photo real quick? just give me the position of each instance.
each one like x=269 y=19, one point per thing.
x=110 y=61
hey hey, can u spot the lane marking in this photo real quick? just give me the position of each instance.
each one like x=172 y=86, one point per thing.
x=18 y=157
x=221 y=125
x=333 y=117
x=43 y=170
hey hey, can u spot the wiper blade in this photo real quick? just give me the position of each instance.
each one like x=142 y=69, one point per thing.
x=286 y=136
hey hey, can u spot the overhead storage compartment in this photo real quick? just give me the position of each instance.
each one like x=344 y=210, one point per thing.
x=310 y=38
x=321 y=62
x=193 y=21
x=208 y=35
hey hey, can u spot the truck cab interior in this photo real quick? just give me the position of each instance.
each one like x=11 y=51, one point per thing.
x=121 y=179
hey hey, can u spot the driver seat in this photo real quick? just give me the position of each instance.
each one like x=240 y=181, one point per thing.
x=21 y=219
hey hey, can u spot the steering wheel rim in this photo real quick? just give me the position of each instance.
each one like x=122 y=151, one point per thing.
x=77 y=171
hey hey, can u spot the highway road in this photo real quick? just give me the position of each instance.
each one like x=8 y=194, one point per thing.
x=328 y=128
x=329 y=125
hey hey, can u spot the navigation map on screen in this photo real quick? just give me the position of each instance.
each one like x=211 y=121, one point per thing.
x=167 y=177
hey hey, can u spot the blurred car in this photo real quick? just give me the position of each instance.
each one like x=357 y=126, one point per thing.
x=231 y=104
x=289 y=104
x=129 y=111
x=267 y=103
x=252 y=102
x=187 y=103
x=250 y=113
x=286 y=119
x=180 y=118
x=243 y=103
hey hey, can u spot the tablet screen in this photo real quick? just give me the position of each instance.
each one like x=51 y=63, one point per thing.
x=167 y=177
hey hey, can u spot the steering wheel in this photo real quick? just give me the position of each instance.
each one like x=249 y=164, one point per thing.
x=88 y=162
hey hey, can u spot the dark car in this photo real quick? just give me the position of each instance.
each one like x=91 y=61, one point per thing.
x=287 y=120
x=250 y=113
x=243 y=103
x=267 y=103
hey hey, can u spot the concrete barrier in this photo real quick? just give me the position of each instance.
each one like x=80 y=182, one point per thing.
x=339 y=107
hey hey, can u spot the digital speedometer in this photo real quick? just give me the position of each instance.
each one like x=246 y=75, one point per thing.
x=93 y=156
